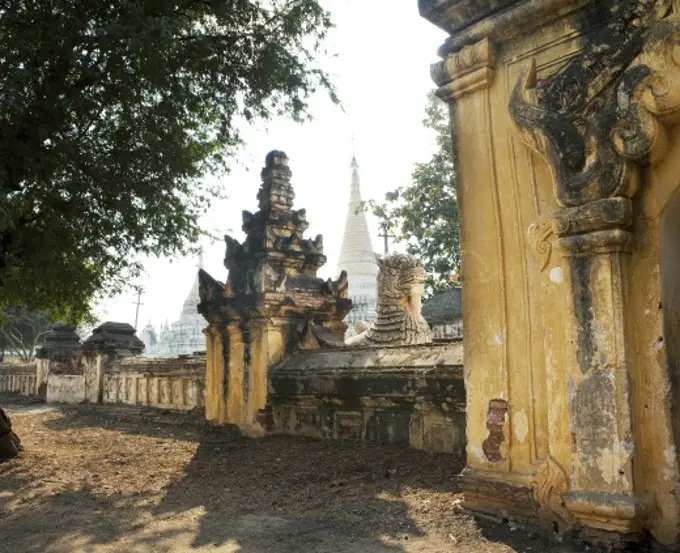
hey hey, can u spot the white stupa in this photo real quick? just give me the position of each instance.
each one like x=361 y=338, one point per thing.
x=358 y=258
x=185 y=335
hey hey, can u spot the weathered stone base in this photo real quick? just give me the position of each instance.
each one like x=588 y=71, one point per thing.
x=510 y=500
x=411 y=396
x=497 y=499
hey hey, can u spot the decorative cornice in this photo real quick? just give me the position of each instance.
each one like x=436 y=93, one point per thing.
x=455 y=15
x=599 y=226
x=598 y=242
x=507 y=24
x=607 y=214
x=465 y=71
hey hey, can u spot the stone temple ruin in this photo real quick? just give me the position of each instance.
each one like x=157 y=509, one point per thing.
x=276 y=361
x=565 y=120
x=271 y=299
x=565 y=117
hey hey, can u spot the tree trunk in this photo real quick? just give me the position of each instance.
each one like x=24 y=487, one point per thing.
x=9 y=441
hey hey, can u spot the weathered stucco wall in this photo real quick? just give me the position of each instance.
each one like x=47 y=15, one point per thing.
x=565 y=123
x=407 y=395
x=65 y=388
x=20 y=379
x=168 y=382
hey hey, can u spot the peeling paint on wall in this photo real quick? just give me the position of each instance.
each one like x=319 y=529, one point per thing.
x=495 y=420
x=555 y=275
x=520 y=426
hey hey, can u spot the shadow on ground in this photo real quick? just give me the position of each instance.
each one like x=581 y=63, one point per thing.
x=102 y=479
x=228 y=494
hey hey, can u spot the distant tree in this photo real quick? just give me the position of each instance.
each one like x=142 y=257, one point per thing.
x=424 y=214
x=22 y=331
x=110 y=114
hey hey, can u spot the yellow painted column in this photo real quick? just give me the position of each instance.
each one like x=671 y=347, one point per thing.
x=215 y=397
x=596 y=240
x=267 y=339
x=236 y=393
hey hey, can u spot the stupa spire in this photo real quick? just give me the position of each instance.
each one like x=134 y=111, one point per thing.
x=356 y=255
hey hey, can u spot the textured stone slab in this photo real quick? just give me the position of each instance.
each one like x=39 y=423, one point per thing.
x=406 y=395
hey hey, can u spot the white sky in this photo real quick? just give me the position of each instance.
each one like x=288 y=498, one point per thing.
x=381 y=70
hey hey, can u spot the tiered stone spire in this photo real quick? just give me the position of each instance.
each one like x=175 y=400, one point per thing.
x=272 y=303
x=274 y=270
x=275 y=233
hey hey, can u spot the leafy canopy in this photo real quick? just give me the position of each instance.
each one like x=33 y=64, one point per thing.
x=424 y=215
x=110 y=114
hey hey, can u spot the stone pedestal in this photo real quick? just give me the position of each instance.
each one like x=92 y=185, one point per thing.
x=60 y=353
x=564 y=118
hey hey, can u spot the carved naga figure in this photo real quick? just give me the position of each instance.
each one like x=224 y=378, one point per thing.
x=400 y=289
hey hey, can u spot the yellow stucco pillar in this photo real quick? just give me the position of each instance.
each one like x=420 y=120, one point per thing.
x=267 y=338
x=215 y=375
x=596 y=241
x=237 y=391
x=505 y=381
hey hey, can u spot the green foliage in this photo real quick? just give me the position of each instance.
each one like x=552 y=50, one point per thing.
x=424 y=215
x=110 y=114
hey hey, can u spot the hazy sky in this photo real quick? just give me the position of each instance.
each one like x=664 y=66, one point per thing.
x=383 y=50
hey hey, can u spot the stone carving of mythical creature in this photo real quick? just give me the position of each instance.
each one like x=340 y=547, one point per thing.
x=398 y=318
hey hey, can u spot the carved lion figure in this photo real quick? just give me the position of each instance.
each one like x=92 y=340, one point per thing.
x=398 y=318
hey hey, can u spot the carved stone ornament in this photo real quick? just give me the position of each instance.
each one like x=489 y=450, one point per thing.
x=398 y=317
x=273 y=272
x=603 y=115
x=539 y=234
x=548 y=487
x=464 y=71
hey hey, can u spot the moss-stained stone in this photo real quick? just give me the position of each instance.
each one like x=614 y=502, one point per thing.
x=407 y=395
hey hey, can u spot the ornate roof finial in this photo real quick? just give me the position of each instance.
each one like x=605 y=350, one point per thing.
x=354 y=164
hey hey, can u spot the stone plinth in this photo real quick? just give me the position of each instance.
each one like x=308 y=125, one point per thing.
x=412 y=396
x=565 y=133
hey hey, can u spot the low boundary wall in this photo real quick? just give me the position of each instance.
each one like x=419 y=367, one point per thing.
x=19 y=379
x=176 y=383
x=407 y=395
x=65 y=388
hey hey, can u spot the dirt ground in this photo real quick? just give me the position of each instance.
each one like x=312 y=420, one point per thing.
x=99 y=479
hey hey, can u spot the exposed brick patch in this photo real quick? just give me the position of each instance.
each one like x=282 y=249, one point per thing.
x=495 y=420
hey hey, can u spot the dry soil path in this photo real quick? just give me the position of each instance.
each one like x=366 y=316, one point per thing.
x=97 y=479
